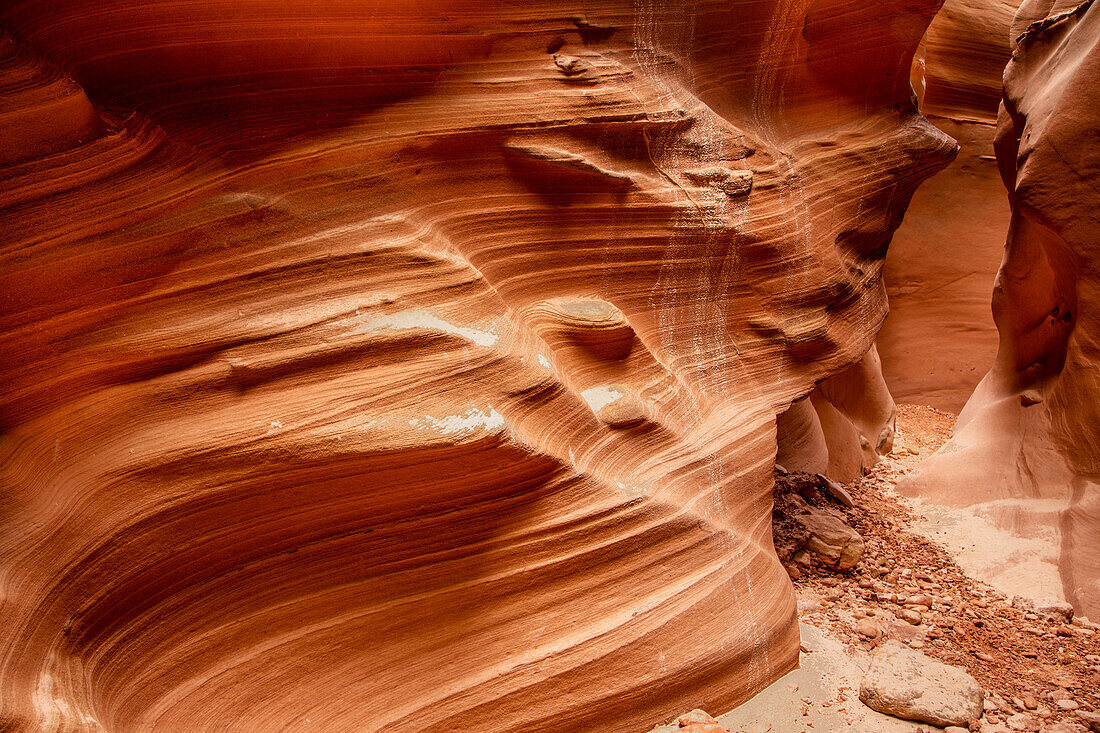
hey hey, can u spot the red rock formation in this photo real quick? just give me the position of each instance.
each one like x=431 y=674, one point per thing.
x=963 y=57
x=1026 y=445
x=843 y=426
x=389 y=366
x=939 y=338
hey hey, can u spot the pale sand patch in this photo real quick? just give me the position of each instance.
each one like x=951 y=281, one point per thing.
x=821 y=696
x=1009 y=561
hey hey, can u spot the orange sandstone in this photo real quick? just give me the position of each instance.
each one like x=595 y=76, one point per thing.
x=415 y=366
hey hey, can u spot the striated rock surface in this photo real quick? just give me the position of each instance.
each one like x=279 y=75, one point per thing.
x=962 y=59
x=377 y=366
x=1026 y=447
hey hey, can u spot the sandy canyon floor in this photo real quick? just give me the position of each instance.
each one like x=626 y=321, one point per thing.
x=1038 y=673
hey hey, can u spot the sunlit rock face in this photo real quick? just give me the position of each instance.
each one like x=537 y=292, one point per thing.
x=415 y=366
x=1026 y=449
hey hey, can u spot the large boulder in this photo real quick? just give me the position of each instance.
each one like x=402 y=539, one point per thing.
x=910 y=685
x=830 y=540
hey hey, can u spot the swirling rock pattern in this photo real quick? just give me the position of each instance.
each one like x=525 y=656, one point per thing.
x=414 y=366
x=1027 y=443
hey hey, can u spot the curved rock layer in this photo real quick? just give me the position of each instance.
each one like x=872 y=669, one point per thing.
x=843 y=426
x=1027 y=448
x=414 y=366
x=939 y=336
x=963 y=56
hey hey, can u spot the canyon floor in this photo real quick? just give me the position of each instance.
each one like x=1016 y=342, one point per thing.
x=1038 y=673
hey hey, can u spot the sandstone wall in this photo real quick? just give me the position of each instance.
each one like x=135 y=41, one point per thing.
x=1025 y=450
x=414 y=366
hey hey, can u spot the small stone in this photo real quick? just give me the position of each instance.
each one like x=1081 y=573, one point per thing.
x=835 y=490
x=1023 y=722
x=1030 y=702
x=868 y=628
x=1093 y=719
x=1063 y=727
x=905 y=631
x=1067 y=704
x=984 y=657
x=1044 y=607
x=695 y=717
x=911 y=616
x=910 y=685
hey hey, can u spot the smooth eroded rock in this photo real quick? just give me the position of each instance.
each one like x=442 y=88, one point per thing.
x=910 y=685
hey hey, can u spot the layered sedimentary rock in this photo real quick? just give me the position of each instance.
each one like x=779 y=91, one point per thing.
x=843 y=426
x=962 y=59
x=1026 y=447
x=379 y=366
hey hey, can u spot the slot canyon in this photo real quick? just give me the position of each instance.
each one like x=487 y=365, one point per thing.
x=522 y=367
